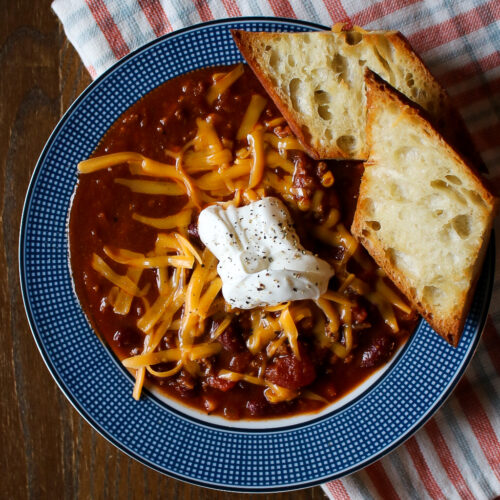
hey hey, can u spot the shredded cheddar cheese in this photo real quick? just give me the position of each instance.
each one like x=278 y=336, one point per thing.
x=256 y=142
x=385 y=309
x=221 y=328
x=181 y=219
x=193 y=353
x=199 y=161
x=185 y=293
x=138 y=260
x=122 y=282
x=288 y=325
x=337 y=297
x=152 y=187
x=283 y=144
x=222 y=84
x=123 y=299
x=331 y=314
x=152 y=316
x=251 y=116
x=208 y=297
x=108 y=161
x=215 y=180
x=274 y=393
x=276 y=160
x=188 y=248
x=391 y=296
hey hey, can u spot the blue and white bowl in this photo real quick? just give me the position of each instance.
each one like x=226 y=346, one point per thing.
x=246 y=456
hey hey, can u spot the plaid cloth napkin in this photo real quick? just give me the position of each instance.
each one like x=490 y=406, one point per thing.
x=457 y=453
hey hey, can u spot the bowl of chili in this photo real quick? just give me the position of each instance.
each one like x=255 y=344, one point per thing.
x=265 y=453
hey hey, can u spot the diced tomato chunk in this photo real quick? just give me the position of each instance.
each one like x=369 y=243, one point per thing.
x=240 y=361
x=221 y=384
x=359 y=314
x=379 y=351
x=290 y=372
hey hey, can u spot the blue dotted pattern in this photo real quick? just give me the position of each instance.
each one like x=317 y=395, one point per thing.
x=276 y=459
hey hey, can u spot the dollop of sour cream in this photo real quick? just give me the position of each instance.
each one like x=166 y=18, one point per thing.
x=261 y=260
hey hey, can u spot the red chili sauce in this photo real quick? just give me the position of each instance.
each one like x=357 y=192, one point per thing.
x=101 y=215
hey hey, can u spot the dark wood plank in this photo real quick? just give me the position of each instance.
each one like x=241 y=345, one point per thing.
x=48 y=450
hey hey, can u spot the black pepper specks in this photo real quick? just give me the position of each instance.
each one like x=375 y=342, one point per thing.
x=261 y=260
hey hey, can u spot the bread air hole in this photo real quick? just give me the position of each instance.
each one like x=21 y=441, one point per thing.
x=474 y=197
x=347 y=143
x=391 y=256
x=462 y=225
x=321 y=96
x=274 y=60
x=291 y=61
x=396 y=191
x=385 y=65
x=339 y=66
x=439 y=184
x=404 y=153
x=324 y=112
x=373 y=224
x=453 y=179
x=362 y=62
x=369 y=207
x=385 y=47
x=353 y=37
x=295 y=90
x=409 y=80
x=432 y=294
x=443 y=186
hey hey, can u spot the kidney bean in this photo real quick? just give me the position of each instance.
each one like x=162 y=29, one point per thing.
x=329 y=389
x=230 y=340
x=186 y=380
x=127 y=337
x=256 y=407
x=231 y=412
x=378 y=351
x=210 y=403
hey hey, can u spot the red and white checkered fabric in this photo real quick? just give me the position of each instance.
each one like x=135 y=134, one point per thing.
x=457 y=453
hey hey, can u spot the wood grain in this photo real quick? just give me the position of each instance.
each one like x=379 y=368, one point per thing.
x=48 y=450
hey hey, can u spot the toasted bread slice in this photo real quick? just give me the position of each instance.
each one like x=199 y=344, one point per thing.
x=316 y=81
x=422 y=212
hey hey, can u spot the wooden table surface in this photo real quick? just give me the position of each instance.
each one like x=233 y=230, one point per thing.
x=48 y=450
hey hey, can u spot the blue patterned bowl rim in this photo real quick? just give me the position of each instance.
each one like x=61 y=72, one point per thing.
x=152 y=432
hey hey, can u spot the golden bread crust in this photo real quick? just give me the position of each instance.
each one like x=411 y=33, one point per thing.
x=447 y=321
